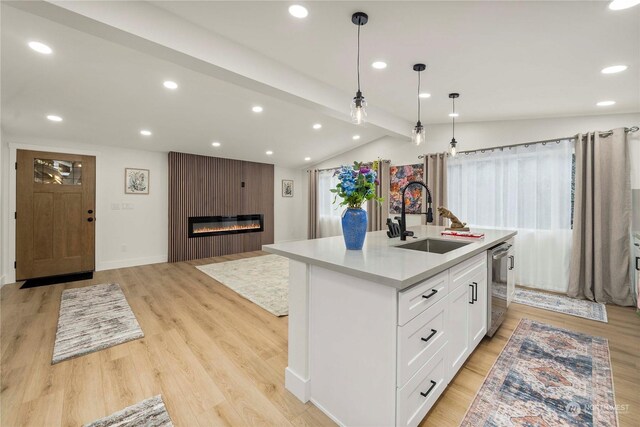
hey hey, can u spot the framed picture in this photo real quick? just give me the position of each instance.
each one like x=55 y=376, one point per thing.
x=287 y=188
x=136 y=181
x=401 y=176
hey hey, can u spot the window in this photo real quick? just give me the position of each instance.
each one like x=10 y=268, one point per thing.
x=526 y=188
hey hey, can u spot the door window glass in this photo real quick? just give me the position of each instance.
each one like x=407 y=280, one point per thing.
x=62 y=172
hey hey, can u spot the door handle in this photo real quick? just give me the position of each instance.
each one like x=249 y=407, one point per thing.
x=425 y=394
x=512 y=261
x=433 y=332
x=433 y=292
x=472 y=300
x=90 y=219
x=474 y=296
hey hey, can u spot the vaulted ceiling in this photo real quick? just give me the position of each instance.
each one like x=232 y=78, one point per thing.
x=508 y=60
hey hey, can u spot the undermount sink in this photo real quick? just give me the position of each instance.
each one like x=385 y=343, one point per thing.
x=434 y=246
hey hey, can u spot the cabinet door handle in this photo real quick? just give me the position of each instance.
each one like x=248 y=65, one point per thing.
x=512 y=260
x=433 y=384
x=638 y=263
x=475 y=291
x=472 y=300
x=433 y=292
x=433 y=332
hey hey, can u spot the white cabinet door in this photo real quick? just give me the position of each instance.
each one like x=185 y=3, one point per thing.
x=458 y=347
x=478 y=311
x=511 y=272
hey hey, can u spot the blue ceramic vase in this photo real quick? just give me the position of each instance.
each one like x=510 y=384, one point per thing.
x=354 y=228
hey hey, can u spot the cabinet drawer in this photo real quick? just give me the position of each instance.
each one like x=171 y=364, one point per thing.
x=420 y=339
x=418 y=396
x=418 y=298
x=463 y=272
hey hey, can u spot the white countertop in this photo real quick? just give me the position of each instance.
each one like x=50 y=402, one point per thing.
x=381 y=261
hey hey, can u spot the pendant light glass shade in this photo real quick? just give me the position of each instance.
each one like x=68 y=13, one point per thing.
x=358 y=109
x=359 y=104
x=418 y=134
x=453 y=150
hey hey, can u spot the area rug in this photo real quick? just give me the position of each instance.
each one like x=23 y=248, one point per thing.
x=148 y=413
x=560 y=303
x=547 y=377
x=91 y=319
x=263 y=280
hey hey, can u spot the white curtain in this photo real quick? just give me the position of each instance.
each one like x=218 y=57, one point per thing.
x=329 y=213
x=526 y=188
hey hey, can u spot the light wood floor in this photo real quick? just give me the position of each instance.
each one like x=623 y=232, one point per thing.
x=218 y=359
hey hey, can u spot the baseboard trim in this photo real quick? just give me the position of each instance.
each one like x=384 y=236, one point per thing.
x=298 y=386
x=327 y=413
x=110 y=265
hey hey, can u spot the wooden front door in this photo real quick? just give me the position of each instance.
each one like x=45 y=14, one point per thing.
x=55 y=214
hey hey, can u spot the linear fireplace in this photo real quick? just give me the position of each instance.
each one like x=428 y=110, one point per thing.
x=200 y=226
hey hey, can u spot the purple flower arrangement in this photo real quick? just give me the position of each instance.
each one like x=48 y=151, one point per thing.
x=357 y=184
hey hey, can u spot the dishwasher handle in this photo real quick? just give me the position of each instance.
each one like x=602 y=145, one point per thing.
x=500 y=254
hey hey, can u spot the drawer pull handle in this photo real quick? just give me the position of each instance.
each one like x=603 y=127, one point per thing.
x=638 y=263
x=433 y=332
x=433 y=292
x=433 y=384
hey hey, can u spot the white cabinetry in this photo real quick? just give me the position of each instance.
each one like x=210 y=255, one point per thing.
x=379 y=356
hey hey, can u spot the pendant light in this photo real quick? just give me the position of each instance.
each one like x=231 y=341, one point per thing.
x=418 y=133
x=453 y=115
x=359 y=104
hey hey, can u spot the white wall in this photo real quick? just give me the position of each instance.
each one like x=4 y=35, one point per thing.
x=124 y=237
x=290 y=213
x=477 y=135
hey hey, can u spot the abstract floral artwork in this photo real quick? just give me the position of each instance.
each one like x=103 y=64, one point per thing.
x=401 y=176
x=136 y=181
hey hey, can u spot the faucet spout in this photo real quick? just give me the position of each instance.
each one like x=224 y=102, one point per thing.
x=403 y=216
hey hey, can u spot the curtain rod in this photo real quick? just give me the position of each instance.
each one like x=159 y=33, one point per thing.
x=546 y=141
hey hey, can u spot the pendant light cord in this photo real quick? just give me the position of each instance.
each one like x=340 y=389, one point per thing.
x=358 y=58
x=419 y=95
x=453 y=119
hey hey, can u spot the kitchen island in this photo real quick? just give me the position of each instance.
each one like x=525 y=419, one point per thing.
x=376 y=335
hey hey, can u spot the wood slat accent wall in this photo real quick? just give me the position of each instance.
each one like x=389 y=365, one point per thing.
x=209 y=186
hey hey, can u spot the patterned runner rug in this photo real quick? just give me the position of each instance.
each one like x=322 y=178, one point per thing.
x=560 y=303
x=148 y=413
x=263 y=280
x=547 y=376
x=91 y=319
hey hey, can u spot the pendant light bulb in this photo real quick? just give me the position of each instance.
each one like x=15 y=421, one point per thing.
x=359 y=104
x=453 y=151
x=418 y=133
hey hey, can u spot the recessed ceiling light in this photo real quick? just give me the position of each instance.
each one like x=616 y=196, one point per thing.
x=425 y=95
x=170 y=84
x=298 y=11
x=269 y=152
x=317 y=126
x=614 y=69
x=356 y=137
x=306 y=159
x=379 y=65
x=622 y=4
x=257 y=109
x=215 y=144
x=454 y=115
x=145 y=132
x=605 y=103
x=54 y=118
x=40 y=48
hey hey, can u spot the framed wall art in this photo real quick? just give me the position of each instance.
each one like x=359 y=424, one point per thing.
x=136 y=181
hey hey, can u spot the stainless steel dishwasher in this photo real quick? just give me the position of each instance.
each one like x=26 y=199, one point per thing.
x=498 y=263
